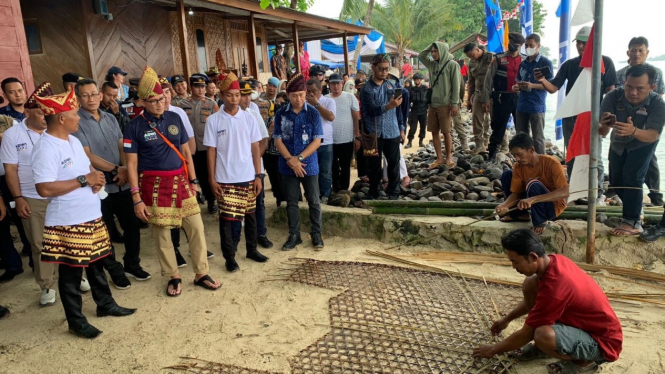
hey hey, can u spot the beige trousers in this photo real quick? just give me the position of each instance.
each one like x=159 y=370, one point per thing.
x=481 y=124
x=46 y=274
x=193 y=226
x=460 y=129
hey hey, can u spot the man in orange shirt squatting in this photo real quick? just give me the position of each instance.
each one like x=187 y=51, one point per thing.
x=568 y=315
x=537 y=182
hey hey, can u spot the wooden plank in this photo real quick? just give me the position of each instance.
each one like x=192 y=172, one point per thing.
x=8 y=54
x=182 y=25
x=86 y=7
x=7 y=17
x=296 y=47
x=9 y=37
x=251 y=48
x=346 y=54
x=255 y=7
x=23 y=47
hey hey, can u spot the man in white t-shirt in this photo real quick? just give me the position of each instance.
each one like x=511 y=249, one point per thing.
x=234 y=167
x=246 y=92
x=346 y=133
x=327 y=109
x=75 y=236
x=17 y=146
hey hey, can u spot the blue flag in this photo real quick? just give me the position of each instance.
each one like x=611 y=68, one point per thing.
x=526 y=17
x=563 y=12
x=494 y=27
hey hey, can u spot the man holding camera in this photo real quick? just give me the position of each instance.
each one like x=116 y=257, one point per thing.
x=636 y=115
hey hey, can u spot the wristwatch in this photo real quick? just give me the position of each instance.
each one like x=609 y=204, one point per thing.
x=114 y=172
x=300 y=158
x=194 y=181
x=82 y=180
x=358 y=138
x=260 y=175
x=317 y=105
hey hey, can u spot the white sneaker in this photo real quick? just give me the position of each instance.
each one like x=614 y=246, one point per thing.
x=601 y=201
x=47 y=298
x=85 y=286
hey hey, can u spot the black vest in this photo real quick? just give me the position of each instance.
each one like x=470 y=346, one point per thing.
x=501 y=75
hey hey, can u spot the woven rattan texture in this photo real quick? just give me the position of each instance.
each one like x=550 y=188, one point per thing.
x=396 y=320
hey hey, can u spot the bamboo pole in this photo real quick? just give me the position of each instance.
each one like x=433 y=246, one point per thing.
x=486 y=205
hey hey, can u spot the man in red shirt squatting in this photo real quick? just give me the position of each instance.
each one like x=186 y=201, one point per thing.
x=568 y=315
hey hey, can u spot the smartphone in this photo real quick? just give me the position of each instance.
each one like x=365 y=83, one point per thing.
x=613 y=120
x=546 y=72
x=398 y=93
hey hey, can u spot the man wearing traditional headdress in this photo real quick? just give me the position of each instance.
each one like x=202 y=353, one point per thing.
x=156 y=150
x=232 y=136
x=75 y=236
x=298 y=134
x=17 y=147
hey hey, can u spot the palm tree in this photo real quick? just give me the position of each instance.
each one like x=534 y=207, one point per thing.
x=356 y=10
x=412 y=23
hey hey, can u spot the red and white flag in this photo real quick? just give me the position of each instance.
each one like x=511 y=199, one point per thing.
x=578 y=103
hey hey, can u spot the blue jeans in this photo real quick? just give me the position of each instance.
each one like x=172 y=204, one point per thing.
x=629 y=170
x=540 y=212
x=325 y=155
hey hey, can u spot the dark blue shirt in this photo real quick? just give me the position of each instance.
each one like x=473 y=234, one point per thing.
x=373 y=102
x=532 y=101
x=9 y=111
x=297 y=131
x=153 y=153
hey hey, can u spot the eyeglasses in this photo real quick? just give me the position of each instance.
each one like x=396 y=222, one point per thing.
x=89 y=96
x=155 y=102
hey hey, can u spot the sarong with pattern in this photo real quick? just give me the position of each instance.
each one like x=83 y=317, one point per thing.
x=237 y=199
x=168 y=196
x=76 y=245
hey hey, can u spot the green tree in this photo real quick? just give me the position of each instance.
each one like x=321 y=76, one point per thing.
x=469 y=17
x=357 y=10
x=411 y=23
x=299 y=5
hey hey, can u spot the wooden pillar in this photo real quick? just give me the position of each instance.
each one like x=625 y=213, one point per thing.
x=184 y=52
x=346 y=55
x=296 y=47
x=253 y=62
x=86 y=8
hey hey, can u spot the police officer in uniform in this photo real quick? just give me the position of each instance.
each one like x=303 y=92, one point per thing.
x=198 y=108
x=499 y=80
x=481 y=60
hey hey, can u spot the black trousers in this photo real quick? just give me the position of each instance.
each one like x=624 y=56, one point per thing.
x=270 y=162
x=11 y=213
x=503 y=105
x=292 y=188
x=69 y=284
x=121 y=205
x=341 y=166
x=389 y=148
x=201 y=168
x=652 y=180
x=414 y=119
x=226 y=235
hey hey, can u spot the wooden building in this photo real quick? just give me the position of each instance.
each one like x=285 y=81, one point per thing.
x=59 y=36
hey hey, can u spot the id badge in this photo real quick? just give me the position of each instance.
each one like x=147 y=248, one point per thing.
x=305 y=139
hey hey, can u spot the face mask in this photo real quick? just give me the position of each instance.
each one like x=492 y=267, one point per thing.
x=512 y=47
x=530 y=52
x=255 y=95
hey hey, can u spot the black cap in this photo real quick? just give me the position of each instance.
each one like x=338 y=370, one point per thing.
x=198 y=79
x=335 y=78
x=116 y=70
x=134 y=81
x=71 y=77
x=316 y=69
x=516 y=37
x=177 y=79
x=418 y=76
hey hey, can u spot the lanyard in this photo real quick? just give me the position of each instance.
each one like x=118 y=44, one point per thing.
x=173 y=147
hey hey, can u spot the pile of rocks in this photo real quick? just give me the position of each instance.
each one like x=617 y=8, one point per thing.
x=472 y=179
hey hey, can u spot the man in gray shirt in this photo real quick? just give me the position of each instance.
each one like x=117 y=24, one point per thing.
x=101 y=138
x=638 y=51
x=636 y=116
